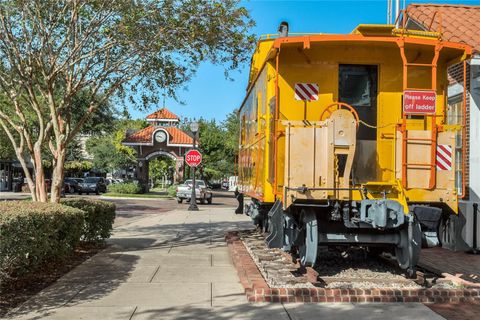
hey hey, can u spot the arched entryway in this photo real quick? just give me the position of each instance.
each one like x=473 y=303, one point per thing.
x=162 y=169
x=161 y=138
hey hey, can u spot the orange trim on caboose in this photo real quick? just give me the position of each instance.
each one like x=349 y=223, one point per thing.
x=308 y=39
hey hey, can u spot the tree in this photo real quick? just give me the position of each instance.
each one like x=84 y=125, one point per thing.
x=161 y=169
x=219 y=144
x=106 y=157
x=231 y=125
x=107 y=150
x=53 y=51
x=6 y=148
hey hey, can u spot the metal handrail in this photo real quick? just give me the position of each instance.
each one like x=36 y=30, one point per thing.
x=404 y=14
x=269 y=36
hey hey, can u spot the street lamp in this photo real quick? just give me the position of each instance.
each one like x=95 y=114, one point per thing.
x=193 y=199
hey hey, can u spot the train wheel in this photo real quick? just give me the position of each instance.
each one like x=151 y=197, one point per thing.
x=408 y=250
x=308 y=238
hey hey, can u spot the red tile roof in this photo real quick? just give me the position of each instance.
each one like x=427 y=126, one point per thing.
x=176 y=136
x=163 y=113
x=460 y=23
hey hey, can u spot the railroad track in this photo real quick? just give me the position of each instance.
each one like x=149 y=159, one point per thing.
x=345 y=271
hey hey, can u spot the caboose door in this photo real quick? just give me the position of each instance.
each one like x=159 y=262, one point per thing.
x=357 y=86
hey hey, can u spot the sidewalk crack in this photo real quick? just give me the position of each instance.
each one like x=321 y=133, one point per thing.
x=154 y=274
x=211 y=294
x=286 y=311
x=134 y=310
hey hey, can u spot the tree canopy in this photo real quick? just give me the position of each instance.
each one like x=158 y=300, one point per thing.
x=219 y=145
x=107 y=150
x=55 y=52
x=6 y=148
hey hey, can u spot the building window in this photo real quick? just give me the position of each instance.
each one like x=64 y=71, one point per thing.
x=455 y=117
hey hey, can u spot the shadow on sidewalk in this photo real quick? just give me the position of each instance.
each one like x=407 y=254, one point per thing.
x=176 y=235
x=99 y=276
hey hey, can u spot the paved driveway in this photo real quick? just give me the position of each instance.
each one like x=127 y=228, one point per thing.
x=175 y=265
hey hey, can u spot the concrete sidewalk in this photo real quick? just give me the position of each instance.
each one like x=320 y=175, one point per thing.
x=9 y=196
x=176 y=266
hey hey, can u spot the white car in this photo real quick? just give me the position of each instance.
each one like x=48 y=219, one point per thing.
x=202 y=192
x=232 y=183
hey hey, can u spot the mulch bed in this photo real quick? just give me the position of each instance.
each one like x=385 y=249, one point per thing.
x=18 y=290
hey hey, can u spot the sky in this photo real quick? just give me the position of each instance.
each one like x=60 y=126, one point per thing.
x=209 y=95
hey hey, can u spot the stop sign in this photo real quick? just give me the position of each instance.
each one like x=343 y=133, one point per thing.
x=193 y=158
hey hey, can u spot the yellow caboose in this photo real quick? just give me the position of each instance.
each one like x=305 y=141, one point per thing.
x=343 y=140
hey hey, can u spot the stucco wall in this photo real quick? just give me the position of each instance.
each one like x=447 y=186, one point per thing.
x=474 y=168
x=464 y=225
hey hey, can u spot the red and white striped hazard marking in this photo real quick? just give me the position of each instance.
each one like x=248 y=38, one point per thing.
x=306 y=91
x=444 y=157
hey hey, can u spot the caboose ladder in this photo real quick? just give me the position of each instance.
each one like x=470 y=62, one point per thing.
x=434 y=128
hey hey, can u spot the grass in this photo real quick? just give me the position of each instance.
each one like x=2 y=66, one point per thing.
x=158 y=189
x=142 y=195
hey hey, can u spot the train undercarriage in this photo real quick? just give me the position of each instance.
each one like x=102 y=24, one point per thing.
x=377 y=225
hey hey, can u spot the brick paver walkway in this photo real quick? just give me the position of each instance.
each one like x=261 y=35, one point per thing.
x=457 y=311
x=460 y=264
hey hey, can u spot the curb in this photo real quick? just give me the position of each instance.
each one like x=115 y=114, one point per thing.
x=257 y=289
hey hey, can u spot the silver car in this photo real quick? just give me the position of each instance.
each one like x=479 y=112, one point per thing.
x=202 y=192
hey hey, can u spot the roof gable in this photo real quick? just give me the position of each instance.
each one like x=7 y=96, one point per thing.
x=145 y=136
x=163 y=114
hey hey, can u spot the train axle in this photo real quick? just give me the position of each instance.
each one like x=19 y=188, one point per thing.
x=303 y=230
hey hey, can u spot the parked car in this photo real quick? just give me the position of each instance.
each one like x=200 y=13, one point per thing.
x=232 y=183
x=202 y=192
x=225 y=185
x=92 y=184
x=79 y=180
x=70 y=185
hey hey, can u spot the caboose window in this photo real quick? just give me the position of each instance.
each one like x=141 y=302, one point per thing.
x=357 y=86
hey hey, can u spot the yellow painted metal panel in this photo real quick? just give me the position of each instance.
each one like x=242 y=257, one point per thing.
x=318 y=63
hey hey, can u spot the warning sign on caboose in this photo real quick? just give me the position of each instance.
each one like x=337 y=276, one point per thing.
x=306 y=91
x=419 y=102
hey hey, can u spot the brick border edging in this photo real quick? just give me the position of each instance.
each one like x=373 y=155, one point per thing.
x=257 y=289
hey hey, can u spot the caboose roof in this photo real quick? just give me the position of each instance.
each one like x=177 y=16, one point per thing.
x=268 y=46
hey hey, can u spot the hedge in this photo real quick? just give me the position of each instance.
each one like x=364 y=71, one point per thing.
x=32 y=233
x=126 y=188
x=99 y=217
x=172 y=190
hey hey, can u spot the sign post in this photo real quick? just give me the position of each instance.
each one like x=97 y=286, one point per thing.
x=193 y=158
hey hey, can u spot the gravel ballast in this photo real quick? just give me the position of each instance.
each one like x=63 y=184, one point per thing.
x=350 y=269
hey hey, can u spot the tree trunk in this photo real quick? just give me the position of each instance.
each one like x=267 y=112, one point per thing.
x=57 y=176
x=40 y=186
x=28 y=176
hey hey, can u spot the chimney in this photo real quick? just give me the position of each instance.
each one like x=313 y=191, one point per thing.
x=283 y=29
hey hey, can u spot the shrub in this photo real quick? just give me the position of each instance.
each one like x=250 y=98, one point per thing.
x=172 y=190
x=32 y=233
x=126 y=188
x=99 y=217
